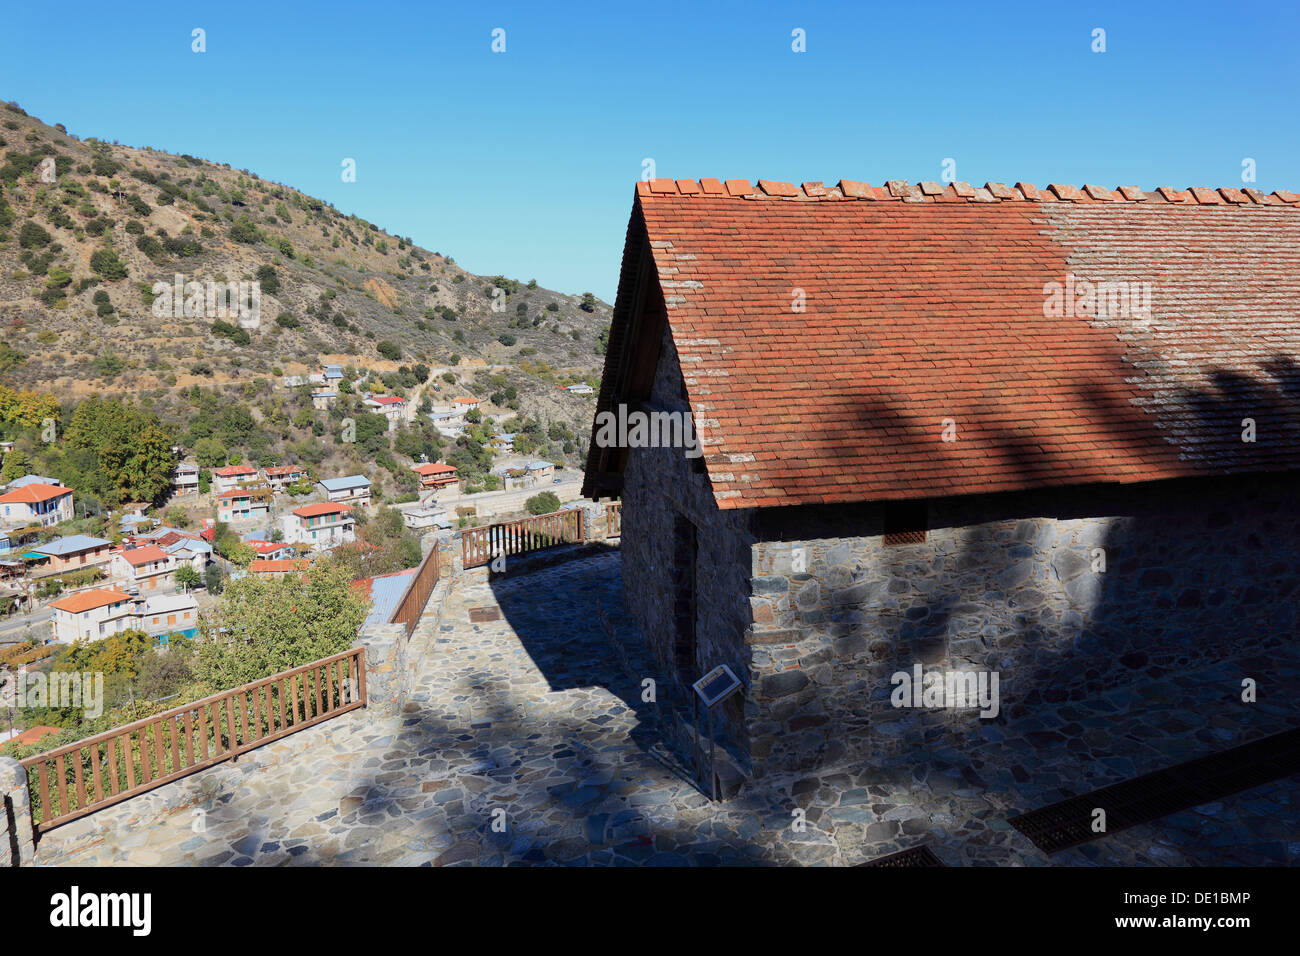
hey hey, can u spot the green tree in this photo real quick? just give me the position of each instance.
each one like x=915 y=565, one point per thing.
x=544 y=504
x=264 y=625
x=186 y=576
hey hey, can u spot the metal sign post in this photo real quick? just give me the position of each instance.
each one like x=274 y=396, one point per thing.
x=712 y=689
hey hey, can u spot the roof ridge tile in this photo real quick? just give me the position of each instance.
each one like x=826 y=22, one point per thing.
x=929 y=191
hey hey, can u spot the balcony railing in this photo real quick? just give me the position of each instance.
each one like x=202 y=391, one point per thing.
x=77 y=779
x=480 y=545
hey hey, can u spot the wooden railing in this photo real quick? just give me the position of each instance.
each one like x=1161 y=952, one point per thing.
x=613 y=519
x=480 y=545
x=69 y=782
x=417 y=592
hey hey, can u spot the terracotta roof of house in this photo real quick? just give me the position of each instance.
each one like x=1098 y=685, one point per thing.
x=323 y=508
x=31 y=494
x=467 y=400
x=30 y=736
x=229 y=471
x=387 y=399
x=434 y=468
x=268 y=547
x=827 y=333
x=89 y=600
x=284 y=470
x=266 y=566
x=150 y=552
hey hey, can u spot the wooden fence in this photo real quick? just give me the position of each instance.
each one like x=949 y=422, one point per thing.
x=480 y=545
x=72 y=781
x=613 y=519
x=416 y=595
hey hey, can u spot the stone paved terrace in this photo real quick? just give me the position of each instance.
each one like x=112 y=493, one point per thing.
x=530 y=713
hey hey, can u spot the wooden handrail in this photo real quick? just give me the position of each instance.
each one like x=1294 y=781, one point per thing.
x=141 y=743
x=480 y=545
x=416 y=596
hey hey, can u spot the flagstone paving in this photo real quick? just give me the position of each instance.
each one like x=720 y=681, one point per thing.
x=524 y=743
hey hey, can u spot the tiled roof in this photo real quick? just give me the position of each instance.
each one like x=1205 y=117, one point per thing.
x=324 y=508
x=32 y=494
x=929 y=304
x=265 y=566
x=89 y=600
x=435 y=468
x=231 y=471
x=138 y=556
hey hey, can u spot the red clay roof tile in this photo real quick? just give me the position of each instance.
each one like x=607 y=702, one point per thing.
x=923 y=307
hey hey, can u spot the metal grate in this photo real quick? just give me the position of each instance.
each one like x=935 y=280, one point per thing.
x=1155 y=795
x=916 y=856
x=904 y=537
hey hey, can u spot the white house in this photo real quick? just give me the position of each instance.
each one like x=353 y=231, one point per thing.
x=185 y=479
x=280 y=477
x=350 y=489
x=91 y=615
x=232 y=477
x=420 y=519
x=234 y=507
x=149 y=568
x=321 y=525
x=37 y=503
x=391 y=407
x=162 y=615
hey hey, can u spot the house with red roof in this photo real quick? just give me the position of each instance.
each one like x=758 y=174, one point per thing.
x=1038 y=440
x=149 y=568
x=392 y=407
x=243 y=504
x=280 y=477
x=436 y=475
x=322 y=525
x=91 y=615
x=35 y=504
x=230 y=477
x=277 y=568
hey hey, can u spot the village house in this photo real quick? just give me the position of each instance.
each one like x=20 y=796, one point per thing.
x=232 y=477
x=273 y=550
x=323 y=525
x=75 y=552
x=247 y=504
x=322 y=399
x=350 y=489
x=464 y=405
x=425 y=518
x=435 y=475
x=391 y=407
x=280 y=477
x=926 y=444
x=149 y=568
x=502 y=444
x=331 y=374
x=91 y=615
x=36 y=504
x=185 y=479
x=581 y=388
x=277 y=567
x=540 y=471
x=164 y=616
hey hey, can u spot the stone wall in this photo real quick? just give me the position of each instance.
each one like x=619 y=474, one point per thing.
x=663 y=487
x=17 y=843
x=1194 y=573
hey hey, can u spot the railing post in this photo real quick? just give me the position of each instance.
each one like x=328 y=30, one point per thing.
x=17 y=833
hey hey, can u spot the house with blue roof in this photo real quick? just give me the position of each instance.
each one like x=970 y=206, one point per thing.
x=74 y=552
x=350 y=489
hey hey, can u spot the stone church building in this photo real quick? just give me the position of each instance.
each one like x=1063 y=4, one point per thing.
x=1048 y=434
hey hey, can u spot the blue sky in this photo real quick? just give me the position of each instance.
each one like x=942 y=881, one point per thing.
x=523 y=162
